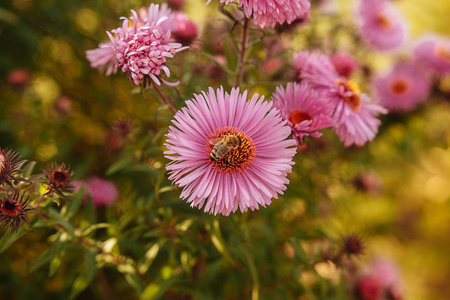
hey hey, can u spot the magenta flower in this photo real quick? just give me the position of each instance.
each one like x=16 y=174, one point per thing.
x=434 y=52
x=300 y=58
x=345 y=64
x=102 y=192
x=354 y=113
x=249 y=174
x=269 y=12
x=402 y=88
x=304 y=110
x=140 y=47
x=381 y=25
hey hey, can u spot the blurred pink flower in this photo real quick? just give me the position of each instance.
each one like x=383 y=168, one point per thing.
x=345 y=64
x=369 y=288
x=300 y=59
x=183 y=30
x=102 y=192
x=304 y=110
x=434 y=52
x=386 y=272
x=381 y=25
x=140 y=47
x=403 y=87
x=246 y=177
x=354 y=113
x=269 y=12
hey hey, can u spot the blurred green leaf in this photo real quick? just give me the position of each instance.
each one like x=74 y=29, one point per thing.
x=10 y=237
x=164 y=281
x=72 y=206
x=86 y=276
x=59 y=219
x=119 y=165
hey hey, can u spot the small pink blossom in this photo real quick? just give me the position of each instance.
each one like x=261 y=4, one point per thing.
x=381 y=25
x=140 y=47
x=434 y=52
x=403 y=87
x=183 y=30
x=354 y=114
x=102 y=192
x=270 y=12
x=345 y=64
x=304 y=110
x=245 y=177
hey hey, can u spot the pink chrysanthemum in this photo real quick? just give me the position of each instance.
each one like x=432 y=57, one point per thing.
x=140 y=47
x=270 y=12
x=304 y=110
x=103 y=192
x=381 y=25
x=402 y=88
x=246 y=177
x=434 y=52
x=354 y=113
x=345 y=64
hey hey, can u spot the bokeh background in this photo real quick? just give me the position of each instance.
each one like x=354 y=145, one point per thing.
x=393 y=192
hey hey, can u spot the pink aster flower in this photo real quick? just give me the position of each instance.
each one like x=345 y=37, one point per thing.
x=270 y=12
x=354 y=114
x=102 y=192
x=381 y=25
x=246 y=174
x=140 y=47
x=345 y=64
x=403 y=87
x=304 y=110
x=300 y=59
x=434 y=52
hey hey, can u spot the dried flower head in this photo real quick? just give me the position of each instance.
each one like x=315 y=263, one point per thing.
x=9 y=164
x=352 y=244
x=123 y=126
x=13 y=211
x=58 y=178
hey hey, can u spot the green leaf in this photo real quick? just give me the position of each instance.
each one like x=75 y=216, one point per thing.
x=87 y=275
x=71 y=208
x=57 y=253
x=218 y=241
x=10 y=237
x=150 y=255
x=164 y=281
x=59 y=219
x=119 y=165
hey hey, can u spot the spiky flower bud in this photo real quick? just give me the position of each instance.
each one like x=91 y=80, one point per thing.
x=58 y=178
x=13 y=211
x=9 y=164
x=352 y=244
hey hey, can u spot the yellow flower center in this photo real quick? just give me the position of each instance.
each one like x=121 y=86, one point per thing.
x=230 y=160
x=352 y=91
x=384 y=22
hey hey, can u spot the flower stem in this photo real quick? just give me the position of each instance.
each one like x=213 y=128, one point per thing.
x=240 y=73
x=164 y=99
x=39 y=201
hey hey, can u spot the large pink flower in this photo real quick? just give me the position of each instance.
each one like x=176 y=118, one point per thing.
x=140 y=47
x=403 y=87
x=434 y=52
x=381 y=25
x=270 y=12
x=246 y=177
x=304 y=110
x=354 y=113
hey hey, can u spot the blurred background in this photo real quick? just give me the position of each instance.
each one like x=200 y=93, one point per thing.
x=394 y=192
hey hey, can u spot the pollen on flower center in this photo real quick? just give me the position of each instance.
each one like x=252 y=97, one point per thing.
x=298 y=116
x=351 y=93
x=384 y=22
x=399 y=86
x=235 y=160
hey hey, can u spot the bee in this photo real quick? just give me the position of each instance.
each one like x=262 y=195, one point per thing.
x=223 y=145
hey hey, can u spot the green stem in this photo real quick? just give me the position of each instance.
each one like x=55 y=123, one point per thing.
x=240 y=73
